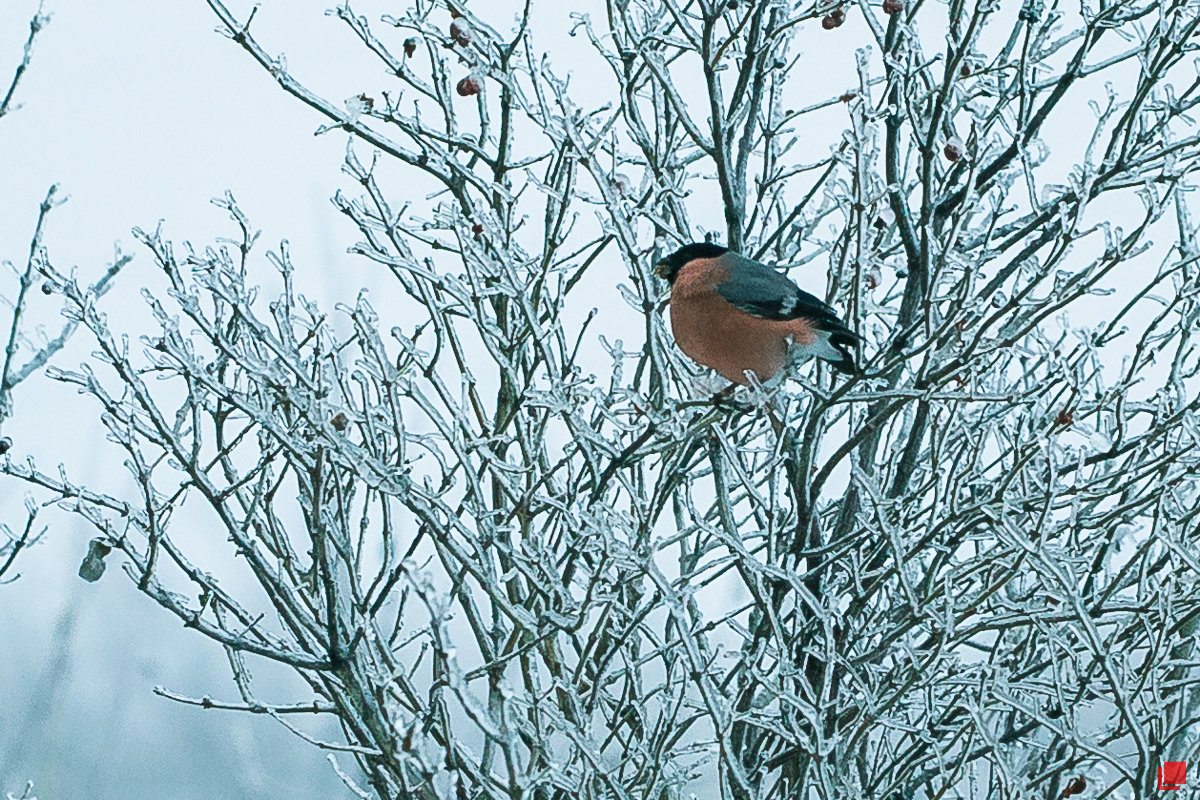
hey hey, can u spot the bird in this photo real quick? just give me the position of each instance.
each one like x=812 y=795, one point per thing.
x=737 y=316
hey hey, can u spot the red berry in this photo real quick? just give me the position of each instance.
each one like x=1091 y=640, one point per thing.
x=954 y=149
x=833 y=19
x=468 y=86
x=460 y=32
x=893 y=6
x=410 y=46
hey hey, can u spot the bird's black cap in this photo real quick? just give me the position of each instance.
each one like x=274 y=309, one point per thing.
x=669 y=267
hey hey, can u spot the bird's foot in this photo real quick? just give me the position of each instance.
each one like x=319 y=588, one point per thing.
x=724 y=395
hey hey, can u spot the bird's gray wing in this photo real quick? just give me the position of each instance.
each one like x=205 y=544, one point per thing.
x=760 y=290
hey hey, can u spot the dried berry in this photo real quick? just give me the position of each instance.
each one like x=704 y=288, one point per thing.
x=1065 y=418
x=5 y=445
x=1075 y=786
x=954 y=149
x=454 y=14
x=47 y=288
x=339 y=421
x=93 y=562
x=965 y=70
x=873 y=278
x=477 y=228
x=410 y=46
x=468 y=86
x=892 y=6
x=848 y=96
x=833 y=19
x=460 y=32
x=732 y=5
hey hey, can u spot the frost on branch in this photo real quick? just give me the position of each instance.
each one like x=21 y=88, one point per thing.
x=514 y=563
x=27 y=348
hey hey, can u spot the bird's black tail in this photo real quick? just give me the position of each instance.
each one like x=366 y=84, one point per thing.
x=845 y=341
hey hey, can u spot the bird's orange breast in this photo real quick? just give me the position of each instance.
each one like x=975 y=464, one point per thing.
x=713 y=332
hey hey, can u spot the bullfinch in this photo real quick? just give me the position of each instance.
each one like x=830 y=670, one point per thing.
x=735 y=315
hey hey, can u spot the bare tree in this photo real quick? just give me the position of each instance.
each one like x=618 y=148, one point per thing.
x=11 y=375
x=21 y=362
x=12 y=545
x=511 y=571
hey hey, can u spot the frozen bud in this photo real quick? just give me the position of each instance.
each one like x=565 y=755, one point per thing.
x=954 y=148
x=358 y=105
x=339 y=421
x=468 y=86
x=460 y=31
x=93 y=563
x=833 y=19
x=1031 y=11
x=5 y=445
x=893 y=6
x=47 y=288
x=410 y=46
